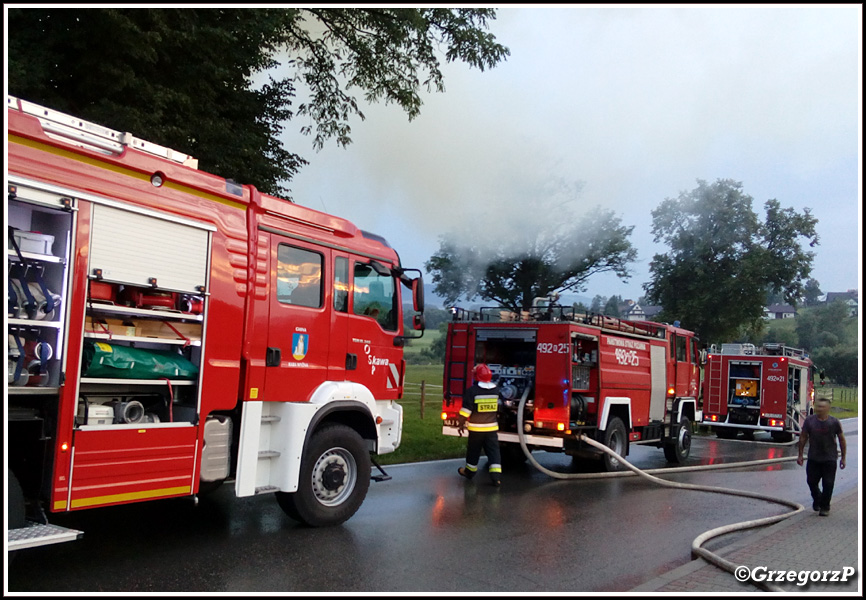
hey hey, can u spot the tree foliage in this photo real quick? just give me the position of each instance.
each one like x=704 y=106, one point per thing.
x=823 y=326
x=839 y=363
x=514 y=269
x=723 y=260
x=185 y=78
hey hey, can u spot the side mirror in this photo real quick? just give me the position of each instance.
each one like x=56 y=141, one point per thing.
x=418 y=294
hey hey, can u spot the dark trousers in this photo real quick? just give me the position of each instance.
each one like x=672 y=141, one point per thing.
x=816 y=472
x=489 y=442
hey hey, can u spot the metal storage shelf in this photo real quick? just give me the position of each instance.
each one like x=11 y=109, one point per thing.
x=142 y=312
x=34 y=323
x=32 y=390
x=149 y=340
x=33 y=256
x=118 y=381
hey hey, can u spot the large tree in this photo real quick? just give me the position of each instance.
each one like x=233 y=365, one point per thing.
x=184 y=78
x=516 y=268
x=723 y=260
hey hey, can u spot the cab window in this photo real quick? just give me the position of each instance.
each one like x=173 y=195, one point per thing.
x=374 y=296
x=682 y=354
x=299 y=276
x=341 y=284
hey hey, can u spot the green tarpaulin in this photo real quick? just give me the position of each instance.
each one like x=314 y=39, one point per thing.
x=123 y=362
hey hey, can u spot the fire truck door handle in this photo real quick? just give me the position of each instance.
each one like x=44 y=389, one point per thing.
x=272 y=358
x=351 y=361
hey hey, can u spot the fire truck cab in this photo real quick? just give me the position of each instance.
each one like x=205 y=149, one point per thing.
x=619 y=381
x=748 y=389
x=170 y=330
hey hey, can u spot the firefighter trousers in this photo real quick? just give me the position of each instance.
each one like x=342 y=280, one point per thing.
x=489 y=442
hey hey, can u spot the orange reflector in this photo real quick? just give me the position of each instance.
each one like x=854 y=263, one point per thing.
x=378 y=420
x=64 y=447
x=671 y=391
x=444 y=415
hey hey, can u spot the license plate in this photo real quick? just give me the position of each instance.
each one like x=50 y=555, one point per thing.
x=452 y=422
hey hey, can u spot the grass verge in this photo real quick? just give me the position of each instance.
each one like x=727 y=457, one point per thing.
x=422 y=436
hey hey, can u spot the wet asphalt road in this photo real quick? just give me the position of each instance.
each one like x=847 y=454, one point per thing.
x=427 y=530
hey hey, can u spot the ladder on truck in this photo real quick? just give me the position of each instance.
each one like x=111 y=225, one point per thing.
x=714 y=377
x=87 y=134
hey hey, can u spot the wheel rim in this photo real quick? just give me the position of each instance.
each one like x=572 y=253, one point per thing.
x=616 y=444
x=334 y=476
x=684 y=441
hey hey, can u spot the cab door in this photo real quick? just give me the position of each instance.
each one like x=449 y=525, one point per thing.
x=684 y=377
x=342 y=362
x=374 y=322
x=298 y=336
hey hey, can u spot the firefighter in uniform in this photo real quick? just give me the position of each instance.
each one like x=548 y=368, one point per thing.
x=478 y=415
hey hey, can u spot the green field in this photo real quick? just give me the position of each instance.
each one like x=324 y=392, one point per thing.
x=422 y=437
x=845 y=402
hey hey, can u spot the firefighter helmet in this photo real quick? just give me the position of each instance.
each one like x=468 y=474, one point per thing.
x=482 y=373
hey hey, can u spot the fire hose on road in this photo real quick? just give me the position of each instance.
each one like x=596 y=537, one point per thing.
x=697 y=543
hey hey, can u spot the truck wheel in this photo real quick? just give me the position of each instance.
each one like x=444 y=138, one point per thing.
x=616 y=439
x=727 y=433
x=782 y=437
x=334 y=478
x=512 y=454
x=677 y=451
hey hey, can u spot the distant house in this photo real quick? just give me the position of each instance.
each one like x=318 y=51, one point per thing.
x=850 y=298
x=779 y=311
x=651 y=312
x=632 y=311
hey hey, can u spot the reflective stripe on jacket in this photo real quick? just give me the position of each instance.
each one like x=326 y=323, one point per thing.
x=480 y=405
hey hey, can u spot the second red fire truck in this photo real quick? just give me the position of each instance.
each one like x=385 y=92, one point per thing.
x=767 y=388
x=619 y=381
x=170 y=330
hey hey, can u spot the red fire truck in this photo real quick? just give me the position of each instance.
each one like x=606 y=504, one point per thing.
x=169 y=330
x=619 y=381
x=748 y=389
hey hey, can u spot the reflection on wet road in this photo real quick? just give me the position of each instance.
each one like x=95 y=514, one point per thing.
x=427 y=530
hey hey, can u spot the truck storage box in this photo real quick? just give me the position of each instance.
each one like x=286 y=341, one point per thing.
x=97 y=414
x=31 y=241
x=745 y=387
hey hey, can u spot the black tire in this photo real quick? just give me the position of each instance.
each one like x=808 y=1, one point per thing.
x=17 y=509
x=727 y=433
x=677 y=450
x=334 y=478
x=782 y=437
x=512 y=454
x=616 y=439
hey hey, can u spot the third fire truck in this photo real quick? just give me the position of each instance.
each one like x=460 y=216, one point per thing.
x=170 y=330
x=618 y=381
x=766 y=388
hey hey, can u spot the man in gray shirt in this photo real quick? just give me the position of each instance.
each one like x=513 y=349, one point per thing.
x=820 y=431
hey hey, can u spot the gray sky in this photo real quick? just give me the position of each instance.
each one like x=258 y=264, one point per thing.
x=629 y=106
